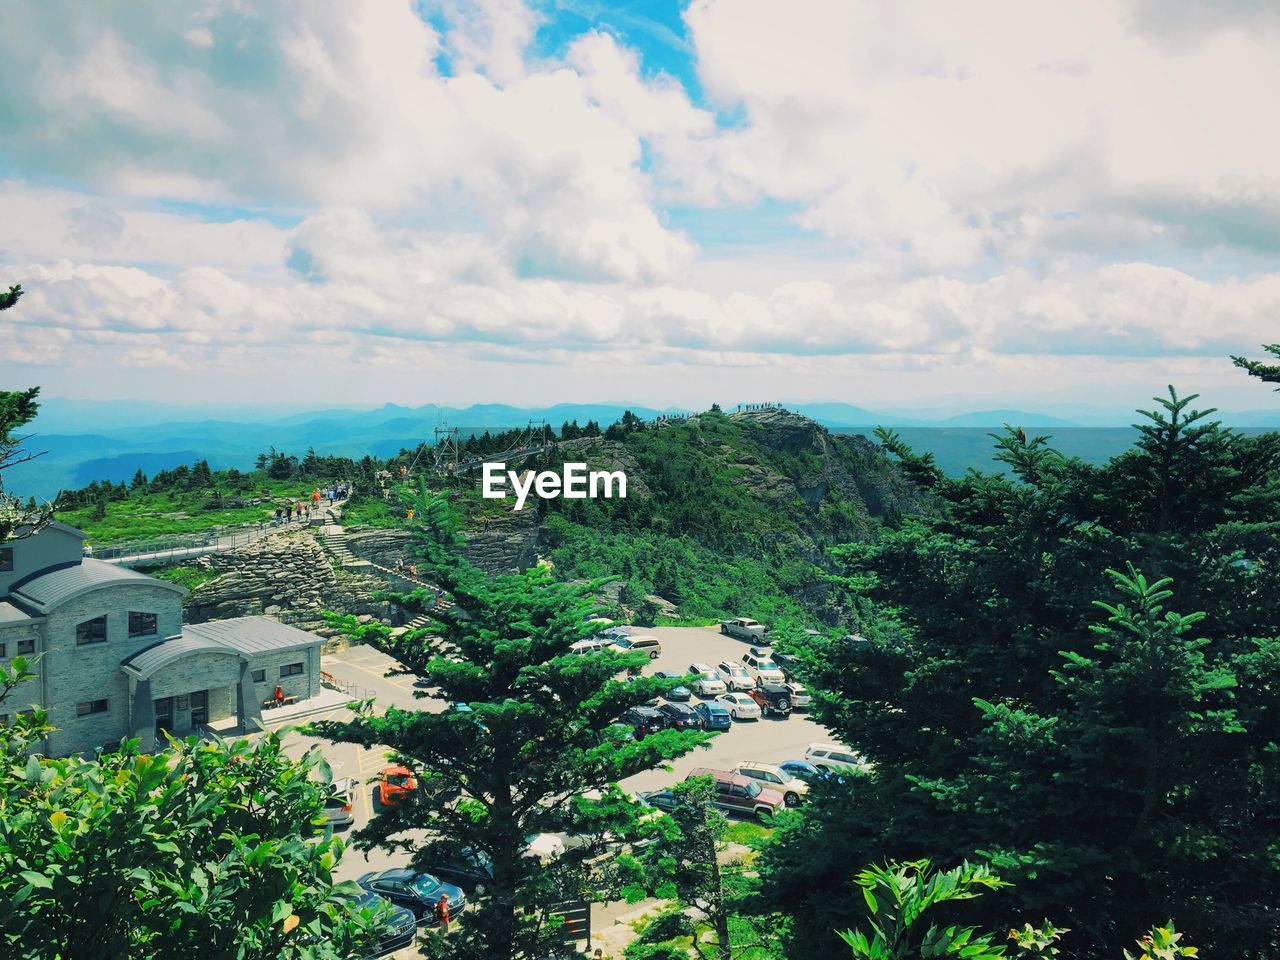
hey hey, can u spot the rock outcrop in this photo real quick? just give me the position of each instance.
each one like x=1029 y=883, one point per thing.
x=286 y=575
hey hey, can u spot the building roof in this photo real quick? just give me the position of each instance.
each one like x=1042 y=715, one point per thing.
x=242 y=636
x=251 y=635
x=52 y=589
x=9 y=614
x=150 y=659
x=25 y=530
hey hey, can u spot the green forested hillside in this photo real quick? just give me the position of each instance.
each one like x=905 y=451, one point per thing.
x=726 y=513
x=1070 y=672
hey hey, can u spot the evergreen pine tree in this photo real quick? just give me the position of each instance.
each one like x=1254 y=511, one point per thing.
x=538 y=733
x=1267 y=372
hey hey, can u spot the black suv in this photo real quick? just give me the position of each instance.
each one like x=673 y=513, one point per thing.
x=787 y=663
x=681 y=716
x=644 y=721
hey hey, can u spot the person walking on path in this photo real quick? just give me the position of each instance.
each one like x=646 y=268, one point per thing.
x=442 y=912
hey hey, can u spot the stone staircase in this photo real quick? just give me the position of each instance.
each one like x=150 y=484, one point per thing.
x=334 y=539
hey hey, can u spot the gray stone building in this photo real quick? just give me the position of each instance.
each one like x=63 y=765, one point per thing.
x=115 y=659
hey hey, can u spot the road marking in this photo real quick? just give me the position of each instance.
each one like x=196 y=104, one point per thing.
x=372 y=673
x=365 y=803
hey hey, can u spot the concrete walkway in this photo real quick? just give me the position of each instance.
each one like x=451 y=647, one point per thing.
x=326 y=701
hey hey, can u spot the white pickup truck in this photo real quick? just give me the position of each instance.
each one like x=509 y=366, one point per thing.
x=744 y=628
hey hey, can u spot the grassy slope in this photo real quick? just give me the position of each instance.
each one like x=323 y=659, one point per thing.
x=147 y=516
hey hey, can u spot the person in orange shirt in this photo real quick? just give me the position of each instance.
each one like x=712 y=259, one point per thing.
x=442 y=912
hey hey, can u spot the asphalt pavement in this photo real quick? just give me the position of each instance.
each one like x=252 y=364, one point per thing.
x=770 y=740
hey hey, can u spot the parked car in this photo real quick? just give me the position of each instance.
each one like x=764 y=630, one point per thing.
x=742 y=795
x=775 y=778
x=739 y=705
x=760 y=661
x=544 y=847
x=833 y=757
x=735 y=675
x=680 y=716
x=590 y=645
x=400 y=927
x=471 y=871
x=644 y=721
x=649 y=645
x=679 y=692
x=773 y=699
x=714 y=716
x=787 y=663
x=418 y=892
x=660 y=799
x=803 y=770
x=744 y=628
x=395 y=783
x=709 y=683
x=800 y=697
x=338 y=806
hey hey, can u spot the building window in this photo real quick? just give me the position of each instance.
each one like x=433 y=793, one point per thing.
x=2 y=651
x=259 y=676
x=292 y=670
x=26 y=646
x=6 y=559
x=92 y=631
x=141 y=624
x=91 y=706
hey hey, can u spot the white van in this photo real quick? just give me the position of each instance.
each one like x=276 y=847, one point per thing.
x=649 y=645
x=834 y=757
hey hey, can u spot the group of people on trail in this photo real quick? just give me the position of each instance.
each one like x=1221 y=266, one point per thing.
x=307 y=507
x=291 y=511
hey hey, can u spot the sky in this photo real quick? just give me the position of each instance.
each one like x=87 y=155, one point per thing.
x=900 y=204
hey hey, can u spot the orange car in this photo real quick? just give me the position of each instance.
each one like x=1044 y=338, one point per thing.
x=395 y=783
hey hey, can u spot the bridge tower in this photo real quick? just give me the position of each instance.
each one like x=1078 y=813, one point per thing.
x=447 y=449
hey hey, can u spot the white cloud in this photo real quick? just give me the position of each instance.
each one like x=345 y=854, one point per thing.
x=993 y=182
x=950 y=132
x=488 y=36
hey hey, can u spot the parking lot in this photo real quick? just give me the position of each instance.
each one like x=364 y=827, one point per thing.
x=769 y=739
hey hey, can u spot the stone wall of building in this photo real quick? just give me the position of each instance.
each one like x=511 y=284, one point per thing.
x=72 y=673
x=306 y=684
x=200 y=670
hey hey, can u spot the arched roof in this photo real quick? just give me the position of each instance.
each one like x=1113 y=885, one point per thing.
x=49 y=590
x=146 y=662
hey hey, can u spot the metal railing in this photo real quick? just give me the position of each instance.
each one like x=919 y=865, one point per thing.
x=352 y=690
x=218 y=539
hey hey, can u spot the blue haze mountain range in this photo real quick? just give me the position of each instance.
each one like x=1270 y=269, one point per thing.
x=90 y=440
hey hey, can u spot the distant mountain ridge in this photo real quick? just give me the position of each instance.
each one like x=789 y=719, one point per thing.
x=112 y=440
